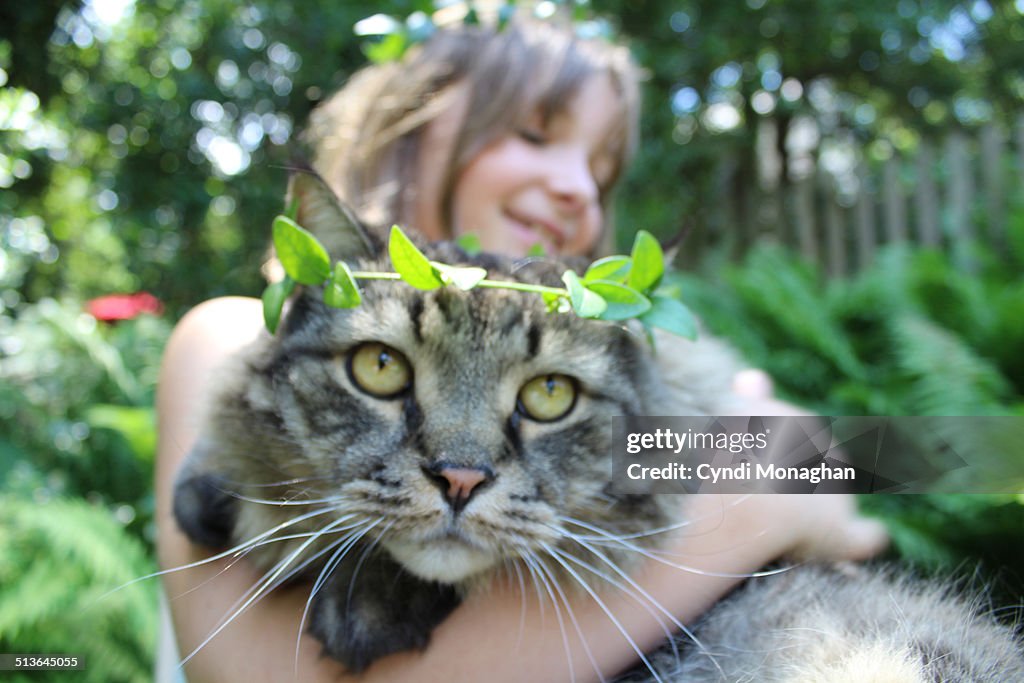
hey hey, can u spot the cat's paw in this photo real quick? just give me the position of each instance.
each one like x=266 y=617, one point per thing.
x=205 y=509
x=377 y=611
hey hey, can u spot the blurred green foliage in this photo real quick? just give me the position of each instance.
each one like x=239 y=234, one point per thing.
x=911 y=335
x=142 y=146
x=146 y=139
x=60 y=563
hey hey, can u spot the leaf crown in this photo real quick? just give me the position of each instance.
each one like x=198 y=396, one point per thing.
x=390 y=37
x=613 y=288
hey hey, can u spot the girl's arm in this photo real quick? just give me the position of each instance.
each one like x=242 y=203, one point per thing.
x=495 y=637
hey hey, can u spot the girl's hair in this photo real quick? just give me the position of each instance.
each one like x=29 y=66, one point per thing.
x=366 y=138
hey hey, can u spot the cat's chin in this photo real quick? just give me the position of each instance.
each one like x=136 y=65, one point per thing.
x=443 y=560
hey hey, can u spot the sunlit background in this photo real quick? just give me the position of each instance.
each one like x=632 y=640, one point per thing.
x=850 y=176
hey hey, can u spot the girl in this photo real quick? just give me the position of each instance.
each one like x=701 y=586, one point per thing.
x=517 y=136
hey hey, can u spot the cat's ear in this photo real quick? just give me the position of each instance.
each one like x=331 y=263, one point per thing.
x=323 y=214
x=672 y=247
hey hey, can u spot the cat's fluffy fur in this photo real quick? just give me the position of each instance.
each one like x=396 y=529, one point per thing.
x=292 y=444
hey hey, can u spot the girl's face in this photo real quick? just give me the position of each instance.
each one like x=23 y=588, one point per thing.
x=537 y=185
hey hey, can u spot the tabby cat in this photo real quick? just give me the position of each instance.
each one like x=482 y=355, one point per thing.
x=455 y=434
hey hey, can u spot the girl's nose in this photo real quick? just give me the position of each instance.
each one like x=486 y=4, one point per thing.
x=571 y=180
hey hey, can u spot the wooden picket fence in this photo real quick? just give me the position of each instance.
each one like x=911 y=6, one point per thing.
x=946 y=195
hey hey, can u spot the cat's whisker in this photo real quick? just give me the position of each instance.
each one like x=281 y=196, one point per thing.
x=626 y=537
x=266 y=581
x=287 y=503
x=272 y=484
x=651 y=532
x=299 y=568
x=242 y=554
x=349 y=542
x=535 y=561
x=604 y=608
x=579 y=631
x=508 y=570
x=362 y=558
x=647 y=606
x=635 y=591
x=236 y=550
x=654 y=555
x=641 y=597
x=343 y=549
x=527 y=562
x=522 y=599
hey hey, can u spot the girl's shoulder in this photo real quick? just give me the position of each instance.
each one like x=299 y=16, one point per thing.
x=212 y=331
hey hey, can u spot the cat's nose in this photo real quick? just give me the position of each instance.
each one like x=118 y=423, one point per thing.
x=458 y=483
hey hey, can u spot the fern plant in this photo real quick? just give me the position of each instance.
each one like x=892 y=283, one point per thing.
x=58 y=562
x=909 y=336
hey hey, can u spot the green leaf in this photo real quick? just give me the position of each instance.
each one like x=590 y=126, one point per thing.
x=410 y=263
x=648 y=262
x=555 y=303
x=135 y=423
x=469 y=243
x=303 y=257
x=613 y=268
x=536 y=250
x=506 y=12
x=342 y=290
x=623 y=302
x=671 y=315
x=274 y=297
x=292 y=211
x=389 y=49
x=463 y=277
x=586 y=303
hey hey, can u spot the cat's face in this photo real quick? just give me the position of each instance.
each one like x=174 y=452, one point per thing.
x=459 y=431
x=470 y=424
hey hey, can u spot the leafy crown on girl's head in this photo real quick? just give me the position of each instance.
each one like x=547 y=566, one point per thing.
x=614 y=288
x=390 y=37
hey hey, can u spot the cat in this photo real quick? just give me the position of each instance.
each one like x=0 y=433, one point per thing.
x=400 y=453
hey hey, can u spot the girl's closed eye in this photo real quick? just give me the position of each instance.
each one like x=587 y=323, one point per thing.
x=532 y=135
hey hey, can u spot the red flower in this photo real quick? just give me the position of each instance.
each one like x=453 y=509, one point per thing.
x=115 y=307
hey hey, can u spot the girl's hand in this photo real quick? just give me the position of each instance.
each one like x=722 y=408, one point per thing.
x=823 y=527
x=820 y=527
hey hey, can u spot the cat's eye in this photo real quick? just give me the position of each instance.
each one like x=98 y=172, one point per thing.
x=548 y=397
x=379 y=370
